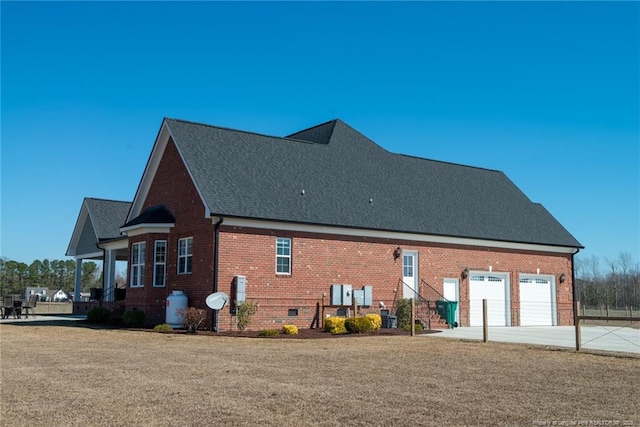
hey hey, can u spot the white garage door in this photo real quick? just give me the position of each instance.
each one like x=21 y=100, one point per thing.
x=536 y=302
x=493 y=288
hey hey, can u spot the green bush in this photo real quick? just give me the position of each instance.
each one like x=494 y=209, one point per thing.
x=268 y=332
x=403 y=312
x=98 y=315
x=358 y=325
x=244 y=314
x=163 y=327
x=133 y=318
x=418 y=327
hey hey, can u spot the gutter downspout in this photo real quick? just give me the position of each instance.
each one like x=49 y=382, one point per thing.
x=216 y=234
x=573 y=277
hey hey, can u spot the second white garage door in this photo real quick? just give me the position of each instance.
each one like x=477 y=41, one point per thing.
x=536 y=302
x=493 y=288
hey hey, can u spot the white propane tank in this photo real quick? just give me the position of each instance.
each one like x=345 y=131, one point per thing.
x=176 y=301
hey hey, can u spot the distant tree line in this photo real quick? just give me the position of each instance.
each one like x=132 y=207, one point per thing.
x=613 y=283
x=55 y=274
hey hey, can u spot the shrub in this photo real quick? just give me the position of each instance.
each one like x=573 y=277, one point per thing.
x=163 y=327
x=290 y=329
x=133 y=318
x=376 y=321
x=335 y=325
x=358 y=325
x=403 y=312
x=418 y=327
x=244 y=314
x=268 y=333
x=192 y=318
x=98 y=315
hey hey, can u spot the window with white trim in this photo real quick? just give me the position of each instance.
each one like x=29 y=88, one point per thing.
x=283 y=255
x=407 y=265
x=137 y=265
x=185 y=255
x=160 y=264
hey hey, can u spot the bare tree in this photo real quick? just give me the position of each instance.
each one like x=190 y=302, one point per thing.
x=612 y=281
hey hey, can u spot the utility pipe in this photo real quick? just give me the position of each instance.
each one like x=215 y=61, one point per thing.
x=216 y=234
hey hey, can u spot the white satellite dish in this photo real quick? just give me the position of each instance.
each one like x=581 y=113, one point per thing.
x=217 y=300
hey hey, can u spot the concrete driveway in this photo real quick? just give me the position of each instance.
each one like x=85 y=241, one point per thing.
x=605 y=338
x=40 y=318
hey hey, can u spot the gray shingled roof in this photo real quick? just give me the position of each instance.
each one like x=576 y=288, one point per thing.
x=350 y=181
x=107 y=216
x=99 y=220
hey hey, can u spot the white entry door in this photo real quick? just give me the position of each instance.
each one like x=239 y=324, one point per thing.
x=493 y=288
x=451 y=292
x=537 y=304
x=409 y=274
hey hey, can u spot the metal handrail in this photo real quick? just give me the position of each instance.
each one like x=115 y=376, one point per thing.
x=420 y=302
x=423 y=282
x=424 y=316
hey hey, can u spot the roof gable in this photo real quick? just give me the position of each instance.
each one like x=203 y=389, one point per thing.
x=333 y=175
x=98 y=220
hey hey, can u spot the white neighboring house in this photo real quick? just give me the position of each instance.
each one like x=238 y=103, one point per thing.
x=60 y=296
x=42 y=292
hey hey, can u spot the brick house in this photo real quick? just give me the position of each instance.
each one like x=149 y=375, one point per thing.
x=294 y=215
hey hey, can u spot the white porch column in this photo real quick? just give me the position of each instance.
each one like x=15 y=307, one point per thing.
x=109 y=267
x=78 y=281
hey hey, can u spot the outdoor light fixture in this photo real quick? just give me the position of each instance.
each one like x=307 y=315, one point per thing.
x=465 y=273
x=562 y=278
x=397 y=253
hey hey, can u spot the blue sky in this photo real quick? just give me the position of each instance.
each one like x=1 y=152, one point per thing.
x=548 y=92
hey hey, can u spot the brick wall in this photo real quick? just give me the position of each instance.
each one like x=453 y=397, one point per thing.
x=173 y=187
x=321 y=260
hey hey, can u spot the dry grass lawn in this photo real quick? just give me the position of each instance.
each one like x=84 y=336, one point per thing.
x=54 y=308
x=68 y=376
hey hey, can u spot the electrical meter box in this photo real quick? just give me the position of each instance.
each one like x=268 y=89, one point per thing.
x=238 y=292
x=368 y=295
x=341 y=295
x=364 y=296
x=358 y=295
x=241 y=289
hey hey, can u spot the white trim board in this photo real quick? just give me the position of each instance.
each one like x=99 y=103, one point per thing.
x=461 y=241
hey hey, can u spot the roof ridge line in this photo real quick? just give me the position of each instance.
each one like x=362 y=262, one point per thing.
x=225 y=128
x=246 y=132
x=447 y=162
x=106 y=200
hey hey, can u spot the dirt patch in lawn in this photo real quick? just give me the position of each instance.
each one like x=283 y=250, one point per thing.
x=58 y=375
